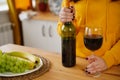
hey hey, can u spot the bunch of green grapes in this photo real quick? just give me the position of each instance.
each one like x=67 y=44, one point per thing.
x=12 y=64
x=0 y=53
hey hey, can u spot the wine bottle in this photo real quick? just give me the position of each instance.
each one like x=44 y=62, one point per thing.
x=68 y=38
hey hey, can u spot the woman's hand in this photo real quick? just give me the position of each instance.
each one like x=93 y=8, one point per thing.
x=67 y=14
x=97 y=64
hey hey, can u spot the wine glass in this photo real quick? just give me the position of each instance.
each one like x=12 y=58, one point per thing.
x=93 y=40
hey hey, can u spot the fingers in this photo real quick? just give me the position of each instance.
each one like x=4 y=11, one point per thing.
x=68 y=10
x=66 y=14
x=65 y=17
x=92 y=65
x=93 y=68
x=91 y=58
x=97 y=65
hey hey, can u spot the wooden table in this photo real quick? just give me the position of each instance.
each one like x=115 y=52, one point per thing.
x=58 y=72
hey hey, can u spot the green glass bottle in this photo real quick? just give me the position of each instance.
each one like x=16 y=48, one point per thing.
x=68 y=37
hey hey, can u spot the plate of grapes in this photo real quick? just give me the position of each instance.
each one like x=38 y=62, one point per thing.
x=16 y=63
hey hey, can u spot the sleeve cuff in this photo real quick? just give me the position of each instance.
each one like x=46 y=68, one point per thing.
x=109 y=59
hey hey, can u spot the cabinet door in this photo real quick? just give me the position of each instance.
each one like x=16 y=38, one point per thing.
x=42 y=35
x=32 y=33
x=53 y=39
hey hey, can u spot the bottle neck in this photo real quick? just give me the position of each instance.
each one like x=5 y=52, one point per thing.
x=67 y=23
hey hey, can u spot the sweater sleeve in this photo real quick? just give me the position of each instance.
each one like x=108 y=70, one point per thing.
x=112 y=57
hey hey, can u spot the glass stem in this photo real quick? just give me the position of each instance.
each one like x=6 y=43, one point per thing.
x=93 y=59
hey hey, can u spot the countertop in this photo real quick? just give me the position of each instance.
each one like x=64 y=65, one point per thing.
x=45 y=16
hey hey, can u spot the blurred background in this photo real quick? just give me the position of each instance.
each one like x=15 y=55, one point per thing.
x=30 y=23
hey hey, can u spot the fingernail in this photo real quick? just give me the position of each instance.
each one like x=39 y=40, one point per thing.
x=73 y=17
x=88 y=72
x=86 y=58
x=74 y=14
x=85 y=69
x=71 y=6
x=71 y=11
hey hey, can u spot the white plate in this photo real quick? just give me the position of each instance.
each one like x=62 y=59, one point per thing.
x=9 y=74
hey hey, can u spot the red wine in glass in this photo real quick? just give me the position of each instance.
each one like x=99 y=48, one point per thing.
x=93 y=42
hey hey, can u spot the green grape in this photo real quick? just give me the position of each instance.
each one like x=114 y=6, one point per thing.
x=3 y=65
x=0 y=60
x=7 y=67
x=25 y=65
x=16 y=69
x=0 y=53
x=17 y=63
x=2 y=70
x=8 y=62
x=19 y=70
x=21 y=66
x=13 y=64
x=22 y=70
x=13 y=59
x=4 y=57
x=11 y=69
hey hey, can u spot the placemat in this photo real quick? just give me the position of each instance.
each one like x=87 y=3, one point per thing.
x=33 y=75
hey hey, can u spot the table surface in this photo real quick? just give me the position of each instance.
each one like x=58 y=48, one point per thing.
x=58 y=72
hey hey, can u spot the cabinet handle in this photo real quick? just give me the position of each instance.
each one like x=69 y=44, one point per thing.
x=50 y=31
x=43 y=31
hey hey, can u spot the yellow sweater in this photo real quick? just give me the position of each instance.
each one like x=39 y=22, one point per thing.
x=104 y=13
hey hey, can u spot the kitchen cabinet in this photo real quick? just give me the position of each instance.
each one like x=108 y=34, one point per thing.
x=41 y=34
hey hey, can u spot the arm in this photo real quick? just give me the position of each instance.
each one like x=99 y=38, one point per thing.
x=112 y=57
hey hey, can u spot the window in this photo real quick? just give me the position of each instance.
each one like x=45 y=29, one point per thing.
x=3 y=5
